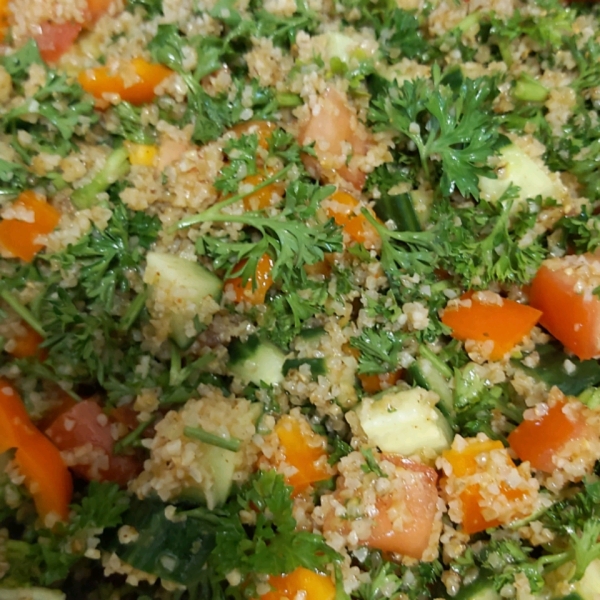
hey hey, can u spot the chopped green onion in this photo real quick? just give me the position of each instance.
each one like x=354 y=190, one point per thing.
x=232 y=444
x=23 y=312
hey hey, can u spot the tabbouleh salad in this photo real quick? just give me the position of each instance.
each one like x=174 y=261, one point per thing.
x=299 y=299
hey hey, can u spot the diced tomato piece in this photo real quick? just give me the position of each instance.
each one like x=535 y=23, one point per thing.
x=563 y=289
x=504 y=322
x=538 y=440
x=54 y=39
x=85 y=423
x=332 y=127
x=300 y=583
x=419 y=498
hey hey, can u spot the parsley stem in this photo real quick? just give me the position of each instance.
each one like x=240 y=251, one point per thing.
x=132 y=436
x=232 y=444
x=212 y=213
x=23 y=312
x=437 y=363
x=133 y=311
x=115 y=166
x=288 y=100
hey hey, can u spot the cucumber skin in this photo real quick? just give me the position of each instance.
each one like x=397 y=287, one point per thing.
x=257 y=361
x=185 y=545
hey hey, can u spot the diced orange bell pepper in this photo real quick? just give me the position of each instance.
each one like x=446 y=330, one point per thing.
x=505 y=323
x=4 y=15
x=46 y=476
x=28 y=343
x=538 y=440
x=100 y=81
x=302 y=450
x=571 y=313
x=263 y=197
x=464 y=462
x=96 y=8
x=377 y=382
x=300 y=583
x=20 y=238
x=263 y=130
x=344 y=209
x=257 y=292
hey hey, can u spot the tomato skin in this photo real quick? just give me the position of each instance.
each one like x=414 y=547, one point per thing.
x=571 y=316
x=54 y=39
x=331 y=128
x=85 y=423
x=420 y=497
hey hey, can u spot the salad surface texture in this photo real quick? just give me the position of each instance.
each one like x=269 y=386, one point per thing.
x=299 y=299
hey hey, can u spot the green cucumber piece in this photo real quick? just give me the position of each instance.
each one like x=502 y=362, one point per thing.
x=256 y=361
x=405 y=422
x=192 y=282
x=172 y=550
x=482 y=589
x=425 y=374
x=589 y=585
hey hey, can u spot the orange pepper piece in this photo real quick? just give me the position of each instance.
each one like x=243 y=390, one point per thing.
x=538 y=440
x=464 y=461
x=263 y=129
x=100 y=81
x=473 y=520
x=244 y=292
x=377 y=382
x=4 y=15
x=20 y=238
x=46 y=476
x=262 y=198
x=300 y=583
x=569 y=314
x=304 y=452
x=96 y=8
x=28 y=344
x=505 y=324
x=344 y=209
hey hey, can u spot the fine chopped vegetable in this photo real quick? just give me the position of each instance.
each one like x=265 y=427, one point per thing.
x=299 y=300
